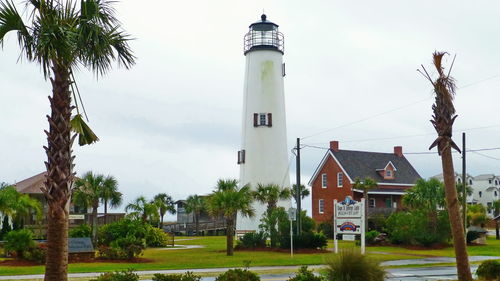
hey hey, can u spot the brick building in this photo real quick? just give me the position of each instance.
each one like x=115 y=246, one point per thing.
x=335 y=175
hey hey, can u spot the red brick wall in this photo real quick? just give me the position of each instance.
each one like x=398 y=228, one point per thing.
x=330 y=193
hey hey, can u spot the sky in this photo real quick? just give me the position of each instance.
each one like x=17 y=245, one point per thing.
x=172 y=123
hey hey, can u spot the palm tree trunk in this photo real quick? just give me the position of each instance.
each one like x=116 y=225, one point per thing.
x=94 y=223
x=105 y=211
x=229 y=236
x=60 y=176
x=463 y=267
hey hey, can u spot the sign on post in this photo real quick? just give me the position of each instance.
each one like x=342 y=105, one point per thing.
x=292 y=215
x=348 y=220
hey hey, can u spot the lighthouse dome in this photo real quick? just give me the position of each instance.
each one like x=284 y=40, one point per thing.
x=263 y=35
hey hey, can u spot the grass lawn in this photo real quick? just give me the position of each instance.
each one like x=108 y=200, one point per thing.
x=213 y=255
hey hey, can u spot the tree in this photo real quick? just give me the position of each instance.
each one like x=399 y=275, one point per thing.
x=304 y=192
x=496 y=213
x=365 y=185
x=443 y=118
x=427 y=196
x=226 y=201
x=17 y=205
x=60 y=37
x=195 y=204
x=143 y=210
x=476 y=215
x=91 y=189
x=270 y=194
x=165 y=204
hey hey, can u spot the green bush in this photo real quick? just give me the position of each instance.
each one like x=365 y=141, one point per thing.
x=308 y=240
x=471 y=236
x=238 y=275
x=415 y=228
x=188 y=276
x=122 y=228
x=326 y=228
x=305 y=275
x=81 y=231
x=156 y=237
x=125 y=275
x=370 y=236
x=353 y=266
x=123 y=248
x=19 y=241
x=377 y=222
x=36 y=254
x=489 y=270
x=252 y=240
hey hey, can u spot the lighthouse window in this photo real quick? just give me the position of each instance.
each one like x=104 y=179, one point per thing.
x=262 y=119
x=241 y=156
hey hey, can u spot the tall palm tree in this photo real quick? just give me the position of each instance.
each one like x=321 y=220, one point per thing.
x=60 y=36
x=365 y=185
x=427 y=196
x=165 y=204
x=143 y=209
x=443 y=118
x=91 y=189
x=195 y=204
x=270 y=194
x=226 y=201
x=110 y=195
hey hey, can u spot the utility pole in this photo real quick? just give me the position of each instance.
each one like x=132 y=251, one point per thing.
x=464 y=184
x=297 y=188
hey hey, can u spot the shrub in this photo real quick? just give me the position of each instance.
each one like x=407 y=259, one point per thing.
x=36 y=254
x=377 y=222
x=122 y=228
x=353 y=266
x=188 y=276
x=19 y=241
x=307 y=240
x=398 y=228
x=81 y=231
x=305 y=275
x=156 y=237
x=471 y=236
x=252 y=240
x=370 y=236
x=123 y=248
x=489 y=270
x=238 y=275
x=415 y=228
x=125 y=275
x=326 y=228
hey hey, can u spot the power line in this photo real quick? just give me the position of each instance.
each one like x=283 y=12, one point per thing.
x=487 y=156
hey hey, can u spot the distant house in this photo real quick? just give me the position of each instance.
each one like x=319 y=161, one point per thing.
x=335 y=175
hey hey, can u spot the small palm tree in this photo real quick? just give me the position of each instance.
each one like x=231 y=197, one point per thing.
x=165 y=204
x=270 y=194
x=496 y=212
x=195 y=204
x=226 y=201
x=17 y=205
x=61 y=36
x=442 y=119
x=142 y=209
x=110 y=196
x=304 y=192
x=365 y=185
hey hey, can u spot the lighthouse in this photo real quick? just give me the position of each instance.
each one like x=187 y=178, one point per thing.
x=263 y=156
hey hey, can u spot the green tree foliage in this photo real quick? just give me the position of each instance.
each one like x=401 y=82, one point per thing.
x=188 y=276
x=6 y=228
x=124 y=275
x=238 y=274
x=252 y=240
x=353 y=266
x=83 y=230
x=17 y=206
x=143 y=209
x=227 y=201
x=195 y=205
x=476 y=215
x=19 y=241
x=489 y=270
x=165 y=205
x=304 y=192
x=365 y=185
x=305 y=274
x=92 y=189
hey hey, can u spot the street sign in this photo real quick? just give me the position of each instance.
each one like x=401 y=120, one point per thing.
x=292 y=214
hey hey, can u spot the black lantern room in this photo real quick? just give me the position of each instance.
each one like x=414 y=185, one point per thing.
x=264 y=35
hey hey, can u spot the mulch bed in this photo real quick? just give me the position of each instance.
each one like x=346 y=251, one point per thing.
x=32 y=263
x=278 y=250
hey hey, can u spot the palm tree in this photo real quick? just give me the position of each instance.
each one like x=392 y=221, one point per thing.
x=60 y=37
x=443 y=118
x=226 y=201
x=91 y=189
x=110 y=195
x=17 y=205
x=365 y=185
x=428 y=196
x=143 y=209
x=165 y=204
x=195 y=204
x=270 y=194
x=496 y=212
x=304 y=192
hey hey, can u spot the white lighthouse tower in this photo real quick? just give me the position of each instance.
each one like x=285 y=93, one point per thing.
x=263 y=157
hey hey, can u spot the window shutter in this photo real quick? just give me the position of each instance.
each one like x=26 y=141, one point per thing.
x=269 y=119
x=239 y=157
x=255 y=119
x=243 y=156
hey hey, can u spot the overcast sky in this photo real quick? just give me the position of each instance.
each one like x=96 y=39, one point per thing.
x=173 y=122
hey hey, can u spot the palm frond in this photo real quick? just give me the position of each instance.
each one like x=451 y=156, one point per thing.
x=85 y=134
x=10 y=20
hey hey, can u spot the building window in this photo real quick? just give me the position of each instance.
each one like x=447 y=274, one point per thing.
x=262 y=119
x=241 y=156
x=489 y=207
x=323 y=180
x=496 y=182
x=459 y=180
x=480 y=194
x=321 y=206
x=371 y=203
x=470 y=182
x=339 y=180
x=388 y=173
x=496 y=193
x=489 y=181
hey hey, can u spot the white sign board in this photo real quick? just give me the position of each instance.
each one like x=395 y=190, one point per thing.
x=349 y=226
x=348 y=237
x=348 y=211
x=76 y=217
x=292 y=214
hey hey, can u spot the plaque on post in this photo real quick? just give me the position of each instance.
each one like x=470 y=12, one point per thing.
x=348 y=220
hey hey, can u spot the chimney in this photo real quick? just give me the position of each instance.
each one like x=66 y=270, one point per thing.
x=334 y=145
x=398 y=150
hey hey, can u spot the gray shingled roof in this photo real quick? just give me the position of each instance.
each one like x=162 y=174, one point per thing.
x=362 y=164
